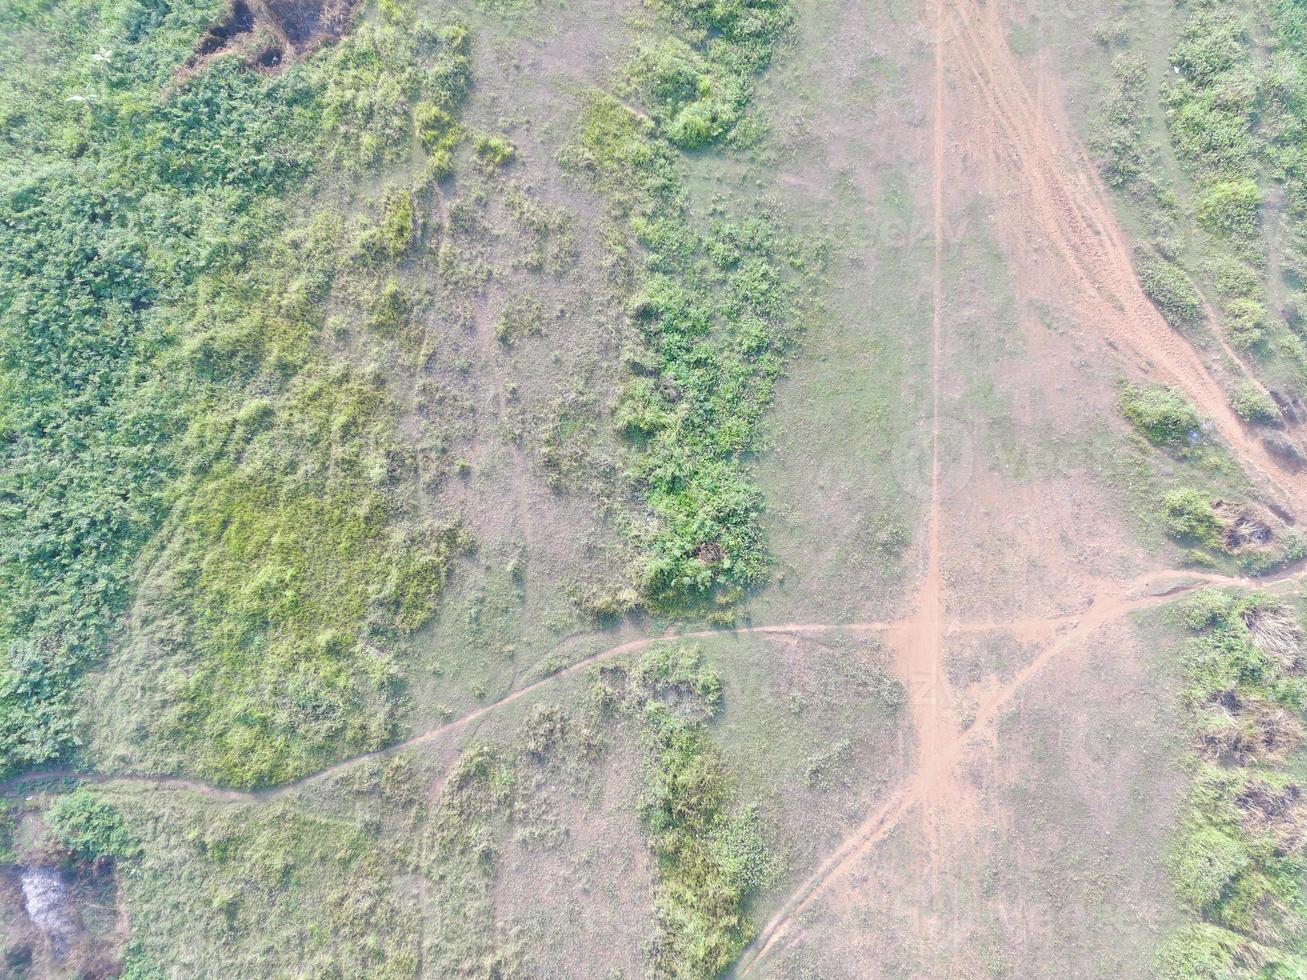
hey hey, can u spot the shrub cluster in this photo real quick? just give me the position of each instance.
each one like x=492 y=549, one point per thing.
x=1163 y=415
x=711 y=854
x=89 y=826
x=712 y=311
x=1237 y=123
x=1170 y=289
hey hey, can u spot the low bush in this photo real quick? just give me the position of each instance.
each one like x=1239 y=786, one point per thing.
x=1189 y=516
x=1163 y=415
x=711 y=854
x=1170 y=289
x=521 y=317
x=89 y=826
x=495 y=151
x=1204 y=864
x=1252 y=404
x=1247 y=324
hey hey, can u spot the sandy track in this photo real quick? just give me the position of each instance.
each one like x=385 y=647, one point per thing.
x=1148 y=591
x=1047 y=188
x=1047 y=185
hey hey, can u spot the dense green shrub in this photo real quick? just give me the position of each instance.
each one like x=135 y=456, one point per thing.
x=712 y=311
x=695 y=102
x=1251 y=403
x=1188 y=515
x=1170 y=289
x=1161 y=414
x=89 y=826
x=1210 y=107
x=1247 y=323
x=1232 y=208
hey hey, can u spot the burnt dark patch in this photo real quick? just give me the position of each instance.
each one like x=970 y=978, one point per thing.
x=710 y=552
x=299 y=20
x=1228 y=700
x=307 y=23
x=278 y=30
x=61 y=918
x=269 y=59
x=239 y=20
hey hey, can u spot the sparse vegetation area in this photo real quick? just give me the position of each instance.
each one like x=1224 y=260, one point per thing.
x=712 y=857
x=501 y=489
x=1229 y=218
x=1237 y=857
x=712 y=313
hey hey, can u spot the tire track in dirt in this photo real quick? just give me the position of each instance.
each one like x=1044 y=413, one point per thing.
x=1146 y=592
x=1045 y=182
x=1068 y=207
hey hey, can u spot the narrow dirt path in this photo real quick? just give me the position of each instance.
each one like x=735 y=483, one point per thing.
x=919 y=642
x=1164 y=583
x=429 y=735
x=1049 y=191
x=1146 y=592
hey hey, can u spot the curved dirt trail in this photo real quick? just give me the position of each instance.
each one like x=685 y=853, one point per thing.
x=1045 y=183
x=431 y=734
x=1148 y=591
x=1184 y=581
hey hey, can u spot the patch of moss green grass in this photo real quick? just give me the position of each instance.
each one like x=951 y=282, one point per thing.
x=162 y=290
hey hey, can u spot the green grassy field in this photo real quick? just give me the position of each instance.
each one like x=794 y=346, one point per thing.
x=553 y=488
